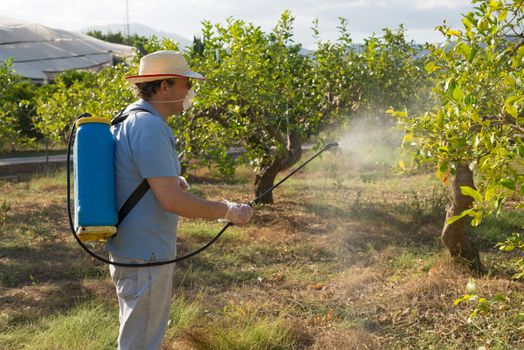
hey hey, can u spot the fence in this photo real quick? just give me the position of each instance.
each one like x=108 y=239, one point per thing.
x=21 y=158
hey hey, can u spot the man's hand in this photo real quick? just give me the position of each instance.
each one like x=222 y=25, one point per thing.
x=238 y=214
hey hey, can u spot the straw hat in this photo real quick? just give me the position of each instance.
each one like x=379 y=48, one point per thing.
x=160 y=65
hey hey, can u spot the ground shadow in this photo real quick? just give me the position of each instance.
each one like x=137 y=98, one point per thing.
x=47 y=262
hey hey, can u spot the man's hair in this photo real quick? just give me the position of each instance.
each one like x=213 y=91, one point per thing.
x=146 y=90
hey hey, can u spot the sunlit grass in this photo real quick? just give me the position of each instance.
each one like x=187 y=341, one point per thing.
x=88 y=326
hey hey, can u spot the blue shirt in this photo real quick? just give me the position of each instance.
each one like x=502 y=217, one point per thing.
x=145 y=148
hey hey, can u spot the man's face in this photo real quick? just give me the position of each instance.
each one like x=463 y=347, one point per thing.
x=177 y=91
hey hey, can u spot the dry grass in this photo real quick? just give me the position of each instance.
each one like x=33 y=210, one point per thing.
x=335 y=263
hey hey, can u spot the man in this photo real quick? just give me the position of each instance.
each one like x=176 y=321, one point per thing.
x=145 y=149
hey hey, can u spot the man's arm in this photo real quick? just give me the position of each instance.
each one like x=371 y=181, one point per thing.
x=173 y=198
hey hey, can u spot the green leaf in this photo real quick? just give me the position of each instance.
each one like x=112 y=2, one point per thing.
x=503 y=15
x=483 y=24
x=494 y=5
x=442 y=172
x=510 y=108
x=398 y=114
x=454 y=32
x=439 y=119
x=467 y=23
x=476 y=221
x=521 y=150
x=509 y=80
x=471 y=192
x=443 y=167
x=460 y=216
x=461 y=299
x=474 y=51
x=508 y=183
x=499 y=298
x=457 y=94
x=465 y=49
x=431 y=67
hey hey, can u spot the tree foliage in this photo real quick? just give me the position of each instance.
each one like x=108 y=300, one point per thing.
x=266 y=94
x=263 y=92
x=142 y=44
x=478 y=121
x=394 y=74
x=259 y=92
x=476 y=130
x=102 y=94
x=137 y=41
x=16 y=106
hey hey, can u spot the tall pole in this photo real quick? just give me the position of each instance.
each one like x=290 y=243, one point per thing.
x=126 y=24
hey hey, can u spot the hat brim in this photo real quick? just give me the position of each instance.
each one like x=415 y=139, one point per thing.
x=135 y=79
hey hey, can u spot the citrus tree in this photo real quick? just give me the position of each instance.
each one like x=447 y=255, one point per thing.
x=264 y=94
x=393 y=73
x=474 y=135
x=102 y=94
x=16 y=106
x=261 y=93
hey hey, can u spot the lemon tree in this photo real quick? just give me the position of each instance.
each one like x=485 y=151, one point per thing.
x=474 y=135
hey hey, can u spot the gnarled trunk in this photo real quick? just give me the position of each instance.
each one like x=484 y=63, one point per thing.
x=266 y=177
x=454 y=236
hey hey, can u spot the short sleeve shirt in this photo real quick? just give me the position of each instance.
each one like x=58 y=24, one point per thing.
x=145 y=148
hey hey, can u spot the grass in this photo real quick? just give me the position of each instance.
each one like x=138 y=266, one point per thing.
x=237 y=326
x=346 y=258
x=495 y=229
x=86 y=326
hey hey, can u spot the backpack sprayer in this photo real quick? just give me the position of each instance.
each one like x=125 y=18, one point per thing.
x=96 y=217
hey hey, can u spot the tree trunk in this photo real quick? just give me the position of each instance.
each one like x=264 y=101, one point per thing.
x=266 y=177
x=454 y=236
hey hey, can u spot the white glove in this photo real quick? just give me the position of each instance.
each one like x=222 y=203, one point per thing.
x=238 y=214
x=182 y=182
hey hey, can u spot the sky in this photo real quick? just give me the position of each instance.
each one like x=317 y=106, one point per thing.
x=184 y=17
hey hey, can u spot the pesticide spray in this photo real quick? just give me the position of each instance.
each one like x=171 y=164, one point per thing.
x=96 y=217
x=371 y=145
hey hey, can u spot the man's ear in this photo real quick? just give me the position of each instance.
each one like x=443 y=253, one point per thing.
x=163 y=86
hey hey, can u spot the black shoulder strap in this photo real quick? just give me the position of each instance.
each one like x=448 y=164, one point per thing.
x=133 y=199
x=141 y=190
x=121 y=116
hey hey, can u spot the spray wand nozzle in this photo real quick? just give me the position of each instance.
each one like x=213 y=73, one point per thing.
x=331 y=144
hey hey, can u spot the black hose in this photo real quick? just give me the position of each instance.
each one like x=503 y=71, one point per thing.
x=164 y=262
x=99 y=258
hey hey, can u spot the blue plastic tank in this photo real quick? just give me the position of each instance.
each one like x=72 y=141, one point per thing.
x=94 y=171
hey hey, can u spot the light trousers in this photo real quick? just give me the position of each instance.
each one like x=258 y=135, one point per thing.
x=144 y=297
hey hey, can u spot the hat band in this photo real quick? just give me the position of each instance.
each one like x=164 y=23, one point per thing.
x=155 y=75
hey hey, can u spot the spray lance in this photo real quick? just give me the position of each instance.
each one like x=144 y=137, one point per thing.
x=95 y=143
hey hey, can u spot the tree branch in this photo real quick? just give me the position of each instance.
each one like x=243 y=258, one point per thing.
x=216 y=115
x=273 y=131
